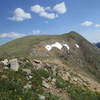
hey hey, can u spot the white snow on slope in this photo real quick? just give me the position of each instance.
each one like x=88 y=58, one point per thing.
x=67 y=46
x=59 y=46
x=77 y=45
x=56 y=45
x=48 y=47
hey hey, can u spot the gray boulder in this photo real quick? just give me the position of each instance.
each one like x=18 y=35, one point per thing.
x=14 y=65
x=28 y=71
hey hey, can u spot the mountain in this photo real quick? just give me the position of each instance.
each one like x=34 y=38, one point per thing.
x=86 y=56
x=98 y=45
x=67 y=65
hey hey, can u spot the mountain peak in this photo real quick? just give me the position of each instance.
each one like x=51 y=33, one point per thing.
x=71 y=32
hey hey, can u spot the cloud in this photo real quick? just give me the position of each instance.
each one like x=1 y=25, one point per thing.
x=49 y=15
x=87 y=23
x=60 y=8
x=48 y=8
x=11 y=35
x=43 y=12
x=37 y=9
x=20 y=15
x=36 y=32
x=90 y=23
x=49 y=12
x=97 y=25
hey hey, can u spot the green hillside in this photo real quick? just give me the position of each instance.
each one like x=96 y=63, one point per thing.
x=22 y=46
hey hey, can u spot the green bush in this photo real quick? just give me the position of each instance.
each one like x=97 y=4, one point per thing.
x=50 y=96
x=60 y=83
x=37 y=80
x=41 y=73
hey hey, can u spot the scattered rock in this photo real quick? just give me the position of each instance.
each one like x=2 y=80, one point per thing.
x=49 y=79
x=66 y=76
x=54 y=70
x=28 y=71
x=27 y=86
x=4 y=76
x=39 y=66
x=45 y=84
x=41 y=97
x=37 y=61
x=5 y=62
x=30 y=76
x=85 y=85
x=75 y=79
x=14 y=65
x=53 y=81
x=6 y=67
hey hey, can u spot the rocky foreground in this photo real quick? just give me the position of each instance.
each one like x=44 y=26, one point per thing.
x=42 y=79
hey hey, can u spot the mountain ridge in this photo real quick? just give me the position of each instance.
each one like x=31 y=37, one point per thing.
x=86 y=57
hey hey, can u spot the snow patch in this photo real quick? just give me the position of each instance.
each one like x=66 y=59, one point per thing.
x=48 y=47
x=77 y=45
x=56 y=45
x=67 y=46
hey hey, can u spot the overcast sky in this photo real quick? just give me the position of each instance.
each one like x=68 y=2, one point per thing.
x=20 y=18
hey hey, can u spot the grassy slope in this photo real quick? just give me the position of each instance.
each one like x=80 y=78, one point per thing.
x=22 y=46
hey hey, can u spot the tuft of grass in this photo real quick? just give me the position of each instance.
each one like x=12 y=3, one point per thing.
x=60 y=83
x=50 y=96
